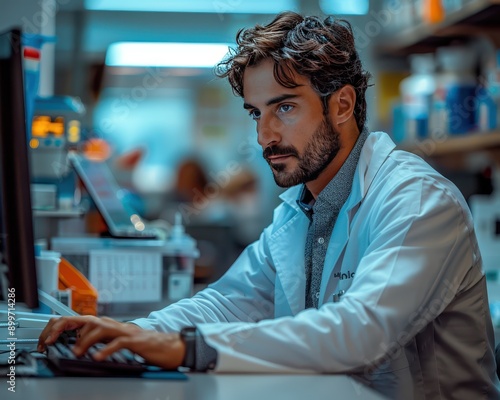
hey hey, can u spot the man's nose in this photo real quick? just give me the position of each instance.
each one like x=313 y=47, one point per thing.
x=268 y=131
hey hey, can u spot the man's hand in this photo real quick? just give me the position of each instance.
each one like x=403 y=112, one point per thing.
x=165 y=350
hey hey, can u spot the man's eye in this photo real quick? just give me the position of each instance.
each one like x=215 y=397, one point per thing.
x=255 y=114
x=285 y=108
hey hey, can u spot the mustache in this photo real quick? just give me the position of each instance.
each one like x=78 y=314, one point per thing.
x=276 y=151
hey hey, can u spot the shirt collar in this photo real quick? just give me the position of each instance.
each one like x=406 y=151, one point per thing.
x=306 y=201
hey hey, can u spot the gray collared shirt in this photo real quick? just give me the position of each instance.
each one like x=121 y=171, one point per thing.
x=323 y=213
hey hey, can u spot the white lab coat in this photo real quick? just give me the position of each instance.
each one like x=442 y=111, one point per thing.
x=402 y=304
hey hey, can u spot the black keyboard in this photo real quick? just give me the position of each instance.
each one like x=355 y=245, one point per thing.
x=119 y=363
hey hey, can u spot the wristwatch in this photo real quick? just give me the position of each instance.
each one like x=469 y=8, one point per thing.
x=188 y=337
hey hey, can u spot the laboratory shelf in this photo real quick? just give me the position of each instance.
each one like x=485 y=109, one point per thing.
x=451 y=145
x=477 y=17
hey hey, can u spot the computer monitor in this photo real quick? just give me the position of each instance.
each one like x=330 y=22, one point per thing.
x=17 y=238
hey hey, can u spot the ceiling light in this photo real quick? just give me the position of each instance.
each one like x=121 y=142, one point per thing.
x=158 y=54
x=201 y=6
x=342 y=7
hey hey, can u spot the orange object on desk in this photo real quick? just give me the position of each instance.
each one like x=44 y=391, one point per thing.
x=83 y=294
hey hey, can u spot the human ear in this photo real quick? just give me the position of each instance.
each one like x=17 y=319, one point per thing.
x=343 y=101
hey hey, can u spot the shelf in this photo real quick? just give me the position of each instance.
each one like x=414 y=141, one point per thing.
x=475 y=17
x=451 y=145
x=73 y=213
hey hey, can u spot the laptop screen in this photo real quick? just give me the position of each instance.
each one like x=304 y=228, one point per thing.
x=109 y=198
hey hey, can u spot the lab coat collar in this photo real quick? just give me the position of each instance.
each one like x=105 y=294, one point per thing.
x=377 y=148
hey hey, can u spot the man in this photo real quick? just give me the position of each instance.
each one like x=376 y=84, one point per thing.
x=370 y=266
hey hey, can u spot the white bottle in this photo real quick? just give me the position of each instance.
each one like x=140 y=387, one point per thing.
x=182 y=251
x=416 y=94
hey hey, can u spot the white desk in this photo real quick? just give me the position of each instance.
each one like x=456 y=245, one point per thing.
x=197 y=387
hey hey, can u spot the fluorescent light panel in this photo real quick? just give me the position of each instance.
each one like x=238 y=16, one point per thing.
x=185 y=55
x=343 y=7
x=201 y=6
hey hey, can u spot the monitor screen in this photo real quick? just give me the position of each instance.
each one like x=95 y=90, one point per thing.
x=17 y=238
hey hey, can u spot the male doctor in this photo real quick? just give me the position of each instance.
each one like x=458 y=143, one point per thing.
x=370 y=266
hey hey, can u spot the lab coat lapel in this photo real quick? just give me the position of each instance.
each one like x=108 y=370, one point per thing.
x=287 y=246
x=375 y=151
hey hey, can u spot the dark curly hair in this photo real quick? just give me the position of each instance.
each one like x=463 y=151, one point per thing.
x=323 y=51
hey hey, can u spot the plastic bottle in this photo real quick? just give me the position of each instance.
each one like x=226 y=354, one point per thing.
x=455 y=95
x=486 y=109
x=182 y=250
x=416 y=93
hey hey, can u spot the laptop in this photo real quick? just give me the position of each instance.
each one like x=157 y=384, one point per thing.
x=110 y=199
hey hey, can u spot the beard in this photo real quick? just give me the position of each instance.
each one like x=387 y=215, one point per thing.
x=318 y=153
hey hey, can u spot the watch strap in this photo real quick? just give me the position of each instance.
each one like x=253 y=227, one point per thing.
x=188 y=337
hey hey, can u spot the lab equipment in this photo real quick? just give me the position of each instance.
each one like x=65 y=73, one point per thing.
x=55 y=129
x=138 y=268
x=133 y=276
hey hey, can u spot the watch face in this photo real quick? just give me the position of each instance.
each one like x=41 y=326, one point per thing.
x=189 y=331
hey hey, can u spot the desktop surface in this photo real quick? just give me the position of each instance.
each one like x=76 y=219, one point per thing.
x=198 y=386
